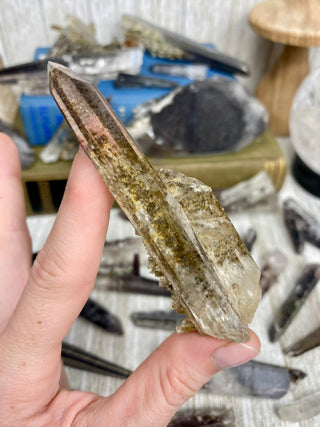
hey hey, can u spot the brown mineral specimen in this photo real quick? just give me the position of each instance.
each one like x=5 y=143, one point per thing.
x=193 y=247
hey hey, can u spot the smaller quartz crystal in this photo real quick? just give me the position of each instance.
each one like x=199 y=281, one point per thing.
x=300 y=410
x=300 y=292
x=257 y=190
x=274 y=264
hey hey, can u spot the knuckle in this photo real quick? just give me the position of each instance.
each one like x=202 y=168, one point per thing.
x=47 y=269
x=176 y=386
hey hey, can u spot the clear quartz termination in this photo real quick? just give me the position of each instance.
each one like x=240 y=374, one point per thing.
x=301 y=409
x=193 y=246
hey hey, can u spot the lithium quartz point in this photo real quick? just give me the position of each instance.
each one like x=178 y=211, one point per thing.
x=255 y=379
x=204 y=417
x=307 y=343
x=193 y=246
x=302 y=409
x=291 y=306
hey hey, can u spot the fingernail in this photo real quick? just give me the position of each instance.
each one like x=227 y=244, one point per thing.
x=233 y=354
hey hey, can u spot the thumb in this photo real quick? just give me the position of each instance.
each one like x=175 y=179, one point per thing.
x=172 y=374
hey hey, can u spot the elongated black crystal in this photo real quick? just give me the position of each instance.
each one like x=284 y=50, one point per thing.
x=304 y=285
x=158 y=319
x=14 y=73
x=309 y=342
x=217 y=417
x=274 y=265
x=75 y=357
x=302 y=227
x=132 y=81
x=131 y=284
x=194 y=49
x=100 y=316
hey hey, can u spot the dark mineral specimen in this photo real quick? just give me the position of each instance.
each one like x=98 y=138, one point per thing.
x=216 y=417
x=274 y=264
x=164 y=43
x=100 y=316
x=159 y=319
x=210 y=116
x=304 y=285
x=128 y=80
x=302 y=227
x=77 y=358
x=307 y=343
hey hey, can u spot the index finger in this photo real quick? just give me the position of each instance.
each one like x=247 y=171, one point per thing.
x=64 y=271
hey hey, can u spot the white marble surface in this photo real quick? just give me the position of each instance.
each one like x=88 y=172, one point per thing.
x=137 y=343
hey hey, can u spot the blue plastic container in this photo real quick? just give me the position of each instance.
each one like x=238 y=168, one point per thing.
x=41 y=117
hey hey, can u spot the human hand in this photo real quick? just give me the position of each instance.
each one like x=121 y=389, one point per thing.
x=40 y=303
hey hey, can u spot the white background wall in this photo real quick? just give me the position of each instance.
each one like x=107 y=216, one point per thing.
x=26 y=24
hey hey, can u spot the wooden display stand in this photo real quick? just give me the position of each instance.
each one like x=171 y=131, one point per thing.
x=296 y=24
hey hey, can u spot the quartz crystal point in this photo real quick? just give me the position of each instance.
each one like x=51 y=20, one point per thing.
x=274 y=264
x=133 y=81
x=100 y=316
x=158 y=319
x=302 y=409
x=218 y=417
x=249 y=237
x=255 y=379
x=309 y=342
x=190 y=71
x=289 y=309
x=301 y=225
x=161 y=41
x=132 y=284
x=193 y=246
x=78 y=358
x=119 y=256
x=257 y=190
